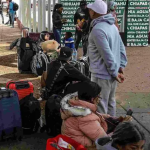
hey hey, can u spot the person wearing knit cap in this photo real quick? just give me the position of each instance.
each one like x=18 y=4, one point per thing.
x=107 y=55
x=112 y=6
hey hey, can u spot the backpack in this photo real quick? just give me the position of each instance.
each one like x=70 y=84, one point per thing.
x=52 y=115
x=30 y=113
x=15 y=6
x=38 y=62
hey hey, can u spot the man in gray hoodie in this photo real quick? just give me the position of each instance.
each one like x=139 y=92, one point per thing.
x=107 y=55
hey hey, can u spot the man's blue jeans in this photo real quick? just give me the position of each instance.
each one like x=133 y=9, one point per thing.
x=57 y=34
x=12 y=16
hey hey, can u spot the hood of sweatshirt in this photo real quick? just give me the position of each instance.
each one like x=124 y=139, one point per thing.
x=106 y=18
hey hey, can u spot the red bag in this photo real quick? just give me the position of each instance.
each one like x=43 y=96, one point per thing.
x=23 y=88
x=54 y=140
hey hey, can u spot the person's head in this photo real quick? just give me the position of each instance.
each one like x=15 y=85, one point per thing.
x=97 y=9
x=88 y=91
x=59 y=8
x=112 y=6
x=127 y=136
x=10 y=0
x=68 y=35
x=65 y=54
x=83 y=4
x=44 y=36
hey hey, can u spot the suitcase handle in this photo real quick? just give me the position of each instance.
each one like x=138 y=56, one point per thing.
x=22 y=86
x=17 y=83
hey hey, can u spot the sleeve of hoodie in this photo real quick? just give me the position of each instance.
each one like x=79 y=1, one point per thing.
x=123 y=59
x=100 y=39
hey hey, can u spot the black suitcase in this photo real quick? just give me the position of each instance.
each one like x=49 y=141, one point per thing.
x=30 y=113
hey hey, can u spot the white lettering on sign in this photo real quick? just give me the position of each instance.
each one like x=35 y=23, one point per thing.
x=142 y=36
x=68 y=28
x=138 y=3
x=138 y=28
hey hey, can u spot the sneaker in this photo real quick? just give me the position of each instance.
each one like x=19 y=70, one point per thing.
x=40 y=99
x=2 y=22
x=12 y=27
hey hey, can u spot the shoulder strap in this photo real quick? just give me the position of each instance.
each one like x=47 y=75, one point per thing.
x=56 y=76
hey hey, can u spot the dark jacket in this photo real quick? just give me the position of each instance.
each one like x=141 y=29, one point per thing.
x=1 y=7
x=83 y=14
x=57 y=23
x=67 y=75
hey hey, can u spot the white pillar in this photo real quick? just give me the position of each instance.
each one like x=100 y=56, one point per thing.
x=19 y=14
x=34 y=15
x=23 y=12
x=49 y=16
x=43 y=16
x=54 y=3
x=39 y=16
x=29 y=15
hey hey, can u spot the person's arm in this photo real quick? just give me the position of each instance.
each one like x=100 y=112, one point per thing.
x=56 y=18
x=76 y=17
x=76 y=75
x=123 y=59
x=100 y=39
x=43 y=79
x=96 y=132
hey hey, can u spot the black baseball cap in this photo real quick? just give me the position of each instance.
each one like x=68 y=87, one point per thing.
x=65 y=53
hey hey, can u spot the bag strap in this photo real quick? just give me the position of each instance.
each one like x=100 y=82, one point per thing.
x=56 y=76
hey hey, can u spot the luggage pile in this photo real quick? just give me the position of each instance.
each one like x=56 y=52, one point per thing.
x=19 y=110
x=20 y=113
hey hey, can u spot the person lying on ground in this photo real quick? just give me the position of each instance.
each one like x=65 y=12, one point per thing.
x=81 y=121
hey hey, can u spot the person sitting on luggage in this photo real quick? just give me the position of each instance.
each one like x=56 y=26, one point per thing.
x=127 y=136
x=44 y=36
x=68 y=40
x=66 y=75
x=81 y=121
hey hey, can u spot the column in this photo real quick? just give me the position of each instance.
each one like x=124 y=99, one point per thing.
x=19 y=14
x=29 y=15
x=39 y=16
x=34 y=15
x=49 y=16
x=43 y=16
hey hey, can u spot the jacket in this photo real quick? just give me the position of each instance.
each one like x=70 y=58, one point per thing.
x=69 y=42
x=83 y=14
x=106 y=50
x=80 y=121
x=57 y=23
x=1 y=7
x=67 y=75
x=11 y=4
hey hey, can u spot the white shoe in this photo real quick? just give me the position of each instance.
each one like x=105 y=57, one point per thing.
x=40 y=99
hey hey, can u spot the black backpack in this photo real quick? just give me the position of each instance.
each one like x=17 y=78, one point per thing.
x=52 y=115
x=15 y=6
x=30 y=113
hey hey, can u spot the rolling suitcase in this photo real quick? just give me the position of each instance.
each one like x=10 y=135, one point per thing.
x=30 y=113
x=10 y=116
x=23 y=88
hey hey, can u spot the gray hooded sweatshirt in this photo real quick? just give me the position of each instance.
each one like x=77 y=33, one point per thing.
x=106 y=50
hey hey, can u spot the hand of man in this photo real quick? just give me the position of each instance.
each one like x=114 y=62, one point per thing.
x=120 y=78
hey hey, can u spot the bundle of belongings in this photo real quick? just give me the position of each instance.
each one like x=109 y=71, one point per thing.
x=32 y=58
